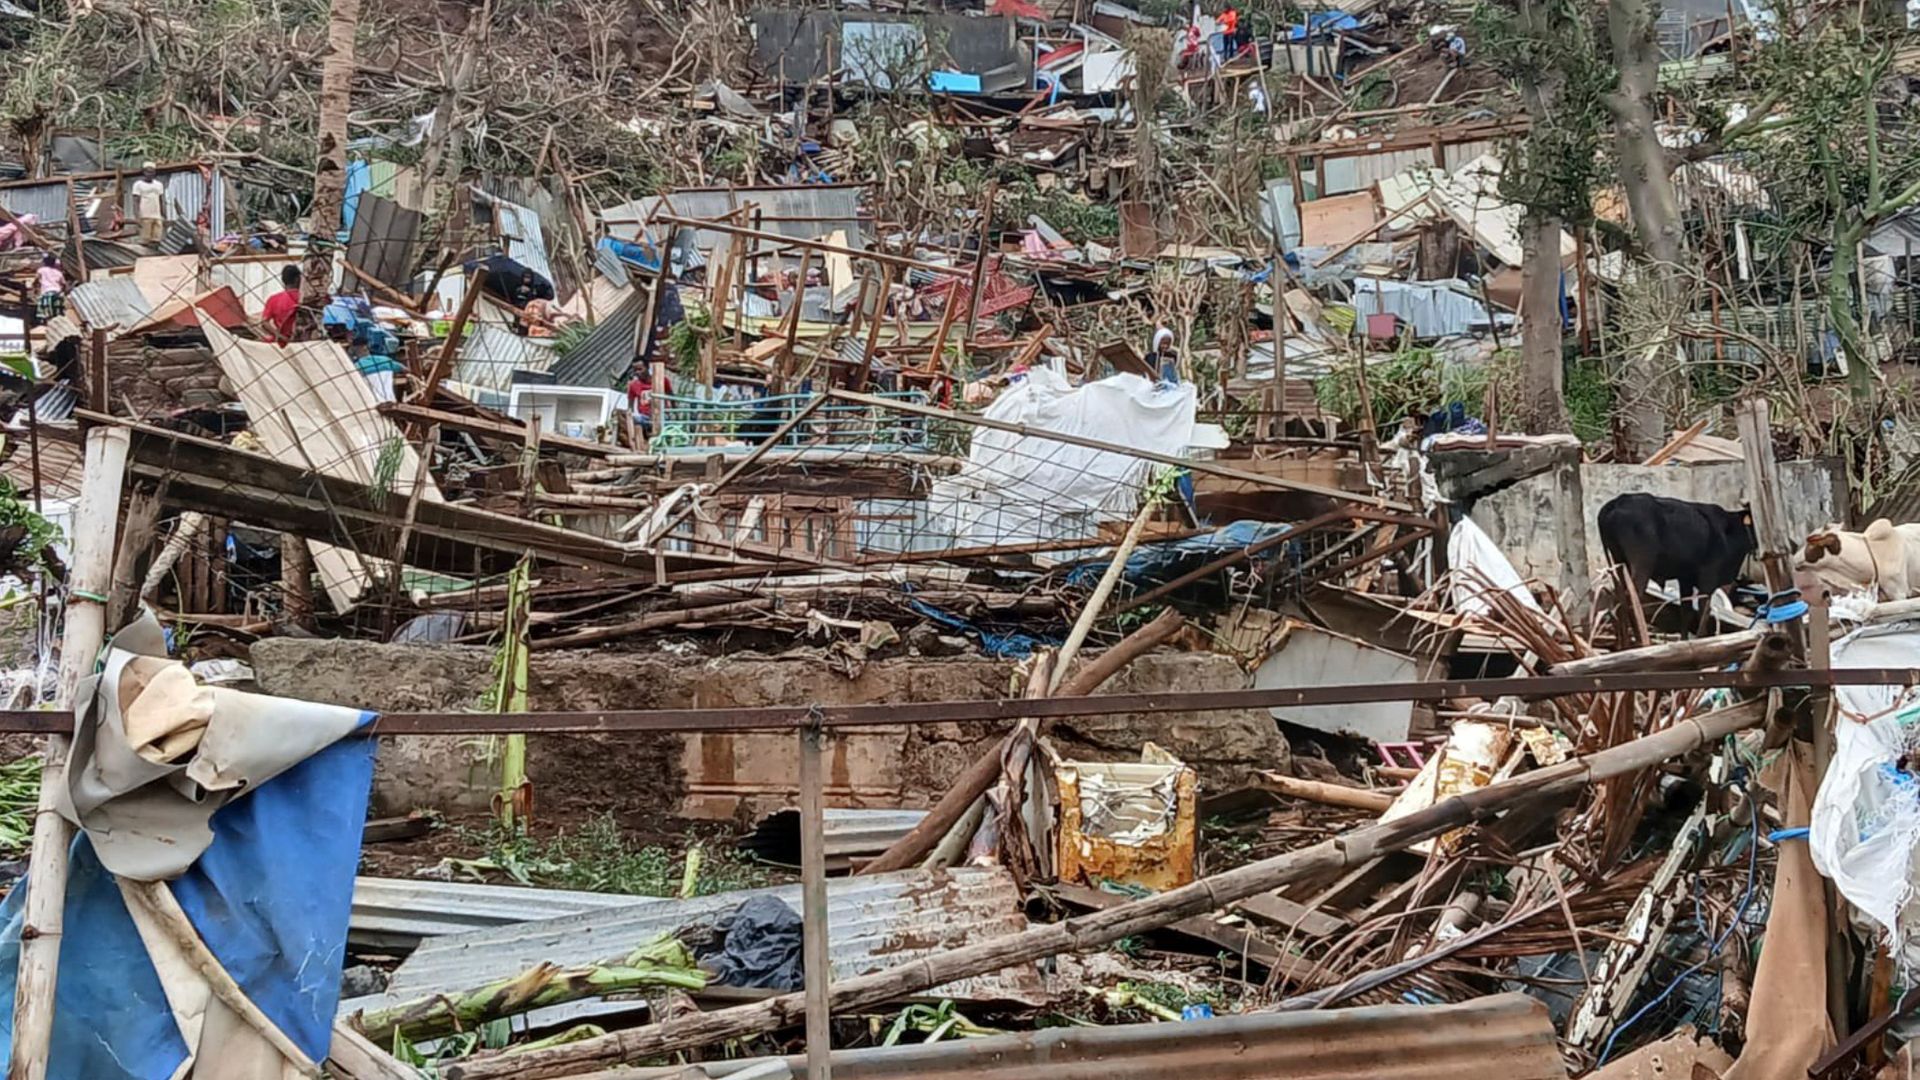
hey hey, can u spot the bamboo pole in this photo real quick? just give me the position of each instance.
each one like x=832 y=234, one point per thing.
x=1670 y=656
x=1352 y=798
x=157 y=898
x=1101 y=928
x=813 y=909
x=92 y=576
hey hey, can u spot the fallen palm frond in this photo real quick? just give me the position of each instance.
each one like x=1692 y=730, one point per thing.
x=663 y=963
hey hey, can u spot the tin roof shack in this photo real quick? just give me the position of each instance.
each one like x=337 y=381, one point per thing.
x=891 y=52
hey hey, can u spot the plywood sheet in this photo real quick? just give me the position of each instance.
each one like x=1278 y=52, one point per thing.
x=1333 y=221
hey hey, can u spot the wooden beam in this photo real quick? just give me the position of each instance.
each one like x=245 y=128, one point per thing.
x=885 y=257
x=507 y=430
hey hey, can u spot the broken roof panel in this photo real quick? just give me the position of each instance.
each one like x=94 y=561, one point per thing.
x=520 y=233
x=875 y=922
x=607 y=351
x=1510 y=1036
x=491 y=354
x=383 y=237
x=801 y=212
x=111 y=303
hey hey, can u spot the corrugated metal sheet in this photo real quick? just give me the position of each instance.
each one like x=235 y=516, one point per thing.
x=876 y=922
x=607 y=352
x=383 y=238
x=1348 y=174
x=46 y=201
x=851 y=834
x=804 y=212
x=521 y=234
x=610 y=265
x=110 y=302
x=1508 y=1037
x=61 y=464
x=490 y=354
x=390 y=912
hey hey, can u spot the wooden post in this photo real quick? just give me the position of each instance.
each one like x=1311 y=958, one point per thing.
x=1763 y=502
x=980 y=263
x=296 y=580
x=873 y=328
x=40 y=934
x=449 y=349
x=813 y=916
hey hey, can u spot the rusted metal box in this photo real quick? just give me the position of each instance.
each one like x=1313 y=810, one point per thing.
x=1128 y=822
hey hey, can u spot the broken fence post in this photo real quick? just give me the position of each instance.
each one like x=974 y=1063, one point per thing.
x=94 y=524
x=813 y=907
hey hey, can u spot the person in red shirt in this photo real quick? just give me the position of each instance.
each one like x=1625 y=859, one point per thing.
x=283 y=306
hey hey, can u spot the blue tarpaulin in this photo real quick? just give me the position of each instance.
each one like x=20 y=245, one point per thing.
x=1016 y=646
x=1323 y=22
x=271 y=897
x=1153 y=564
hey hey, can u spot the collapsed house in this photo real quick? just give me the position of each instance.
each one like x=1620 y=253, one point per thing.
x=1134 y=677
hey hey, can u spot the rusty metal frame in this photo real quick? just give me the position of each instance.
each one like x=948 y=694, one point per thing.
x=791 y=718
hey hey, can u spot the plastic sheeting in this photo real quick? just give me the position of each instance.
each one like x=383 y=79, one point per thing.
x=760 y=947
x=1477 y=564
x=1029 y=488
x=271 y=897
x=1432 y=308
x=1866 y=817
x=1153 y=564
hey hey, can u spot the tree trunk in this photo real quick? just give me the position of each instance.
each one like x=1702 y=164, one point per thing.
x=1843 y=309
x=1645 y=175
x=330 y=170
x=1543 y=406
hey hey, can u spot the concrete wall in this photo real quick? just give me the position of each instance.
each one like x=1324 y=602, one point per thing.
x=729 y=775
x=1530 y=522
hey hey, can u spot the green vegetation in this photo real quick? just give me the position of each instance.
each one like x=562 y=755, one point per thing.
x=598 y=857
x=19 y=795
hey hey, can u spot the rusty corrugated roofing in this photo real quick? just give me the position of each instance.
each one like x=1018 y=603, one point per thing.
x=875 y=922
x=1507 y=1037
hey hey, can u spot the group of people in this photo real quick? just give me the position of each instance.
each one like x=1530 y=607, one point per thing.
x=1232 y=35
x=50 y=278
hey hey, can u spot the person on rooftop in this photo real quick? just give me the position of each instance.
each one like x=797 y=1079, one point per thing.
x=150 y=204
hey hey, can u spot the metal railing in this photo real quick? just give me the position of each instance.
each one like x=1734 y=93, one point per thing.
x=697 y=425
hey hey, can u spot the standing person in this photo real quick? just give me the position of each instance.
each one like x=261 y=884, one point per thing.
x=521 y=295
x=1229 y=33
x=640 y=397
x=52 y=286
x=283 y=307
x=150 y=204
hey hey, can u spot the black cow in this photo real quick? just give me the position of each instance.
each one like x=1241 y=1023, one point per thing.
x=1699 y=545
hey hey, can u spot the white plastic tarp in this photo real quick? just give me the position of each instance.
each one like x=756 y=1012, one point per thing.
x=1866 y=816
x=1478 y=563
x=1030 y=489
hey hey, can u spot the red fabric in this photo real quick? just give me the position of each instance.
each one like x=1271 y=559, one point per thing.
x=281 y=308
